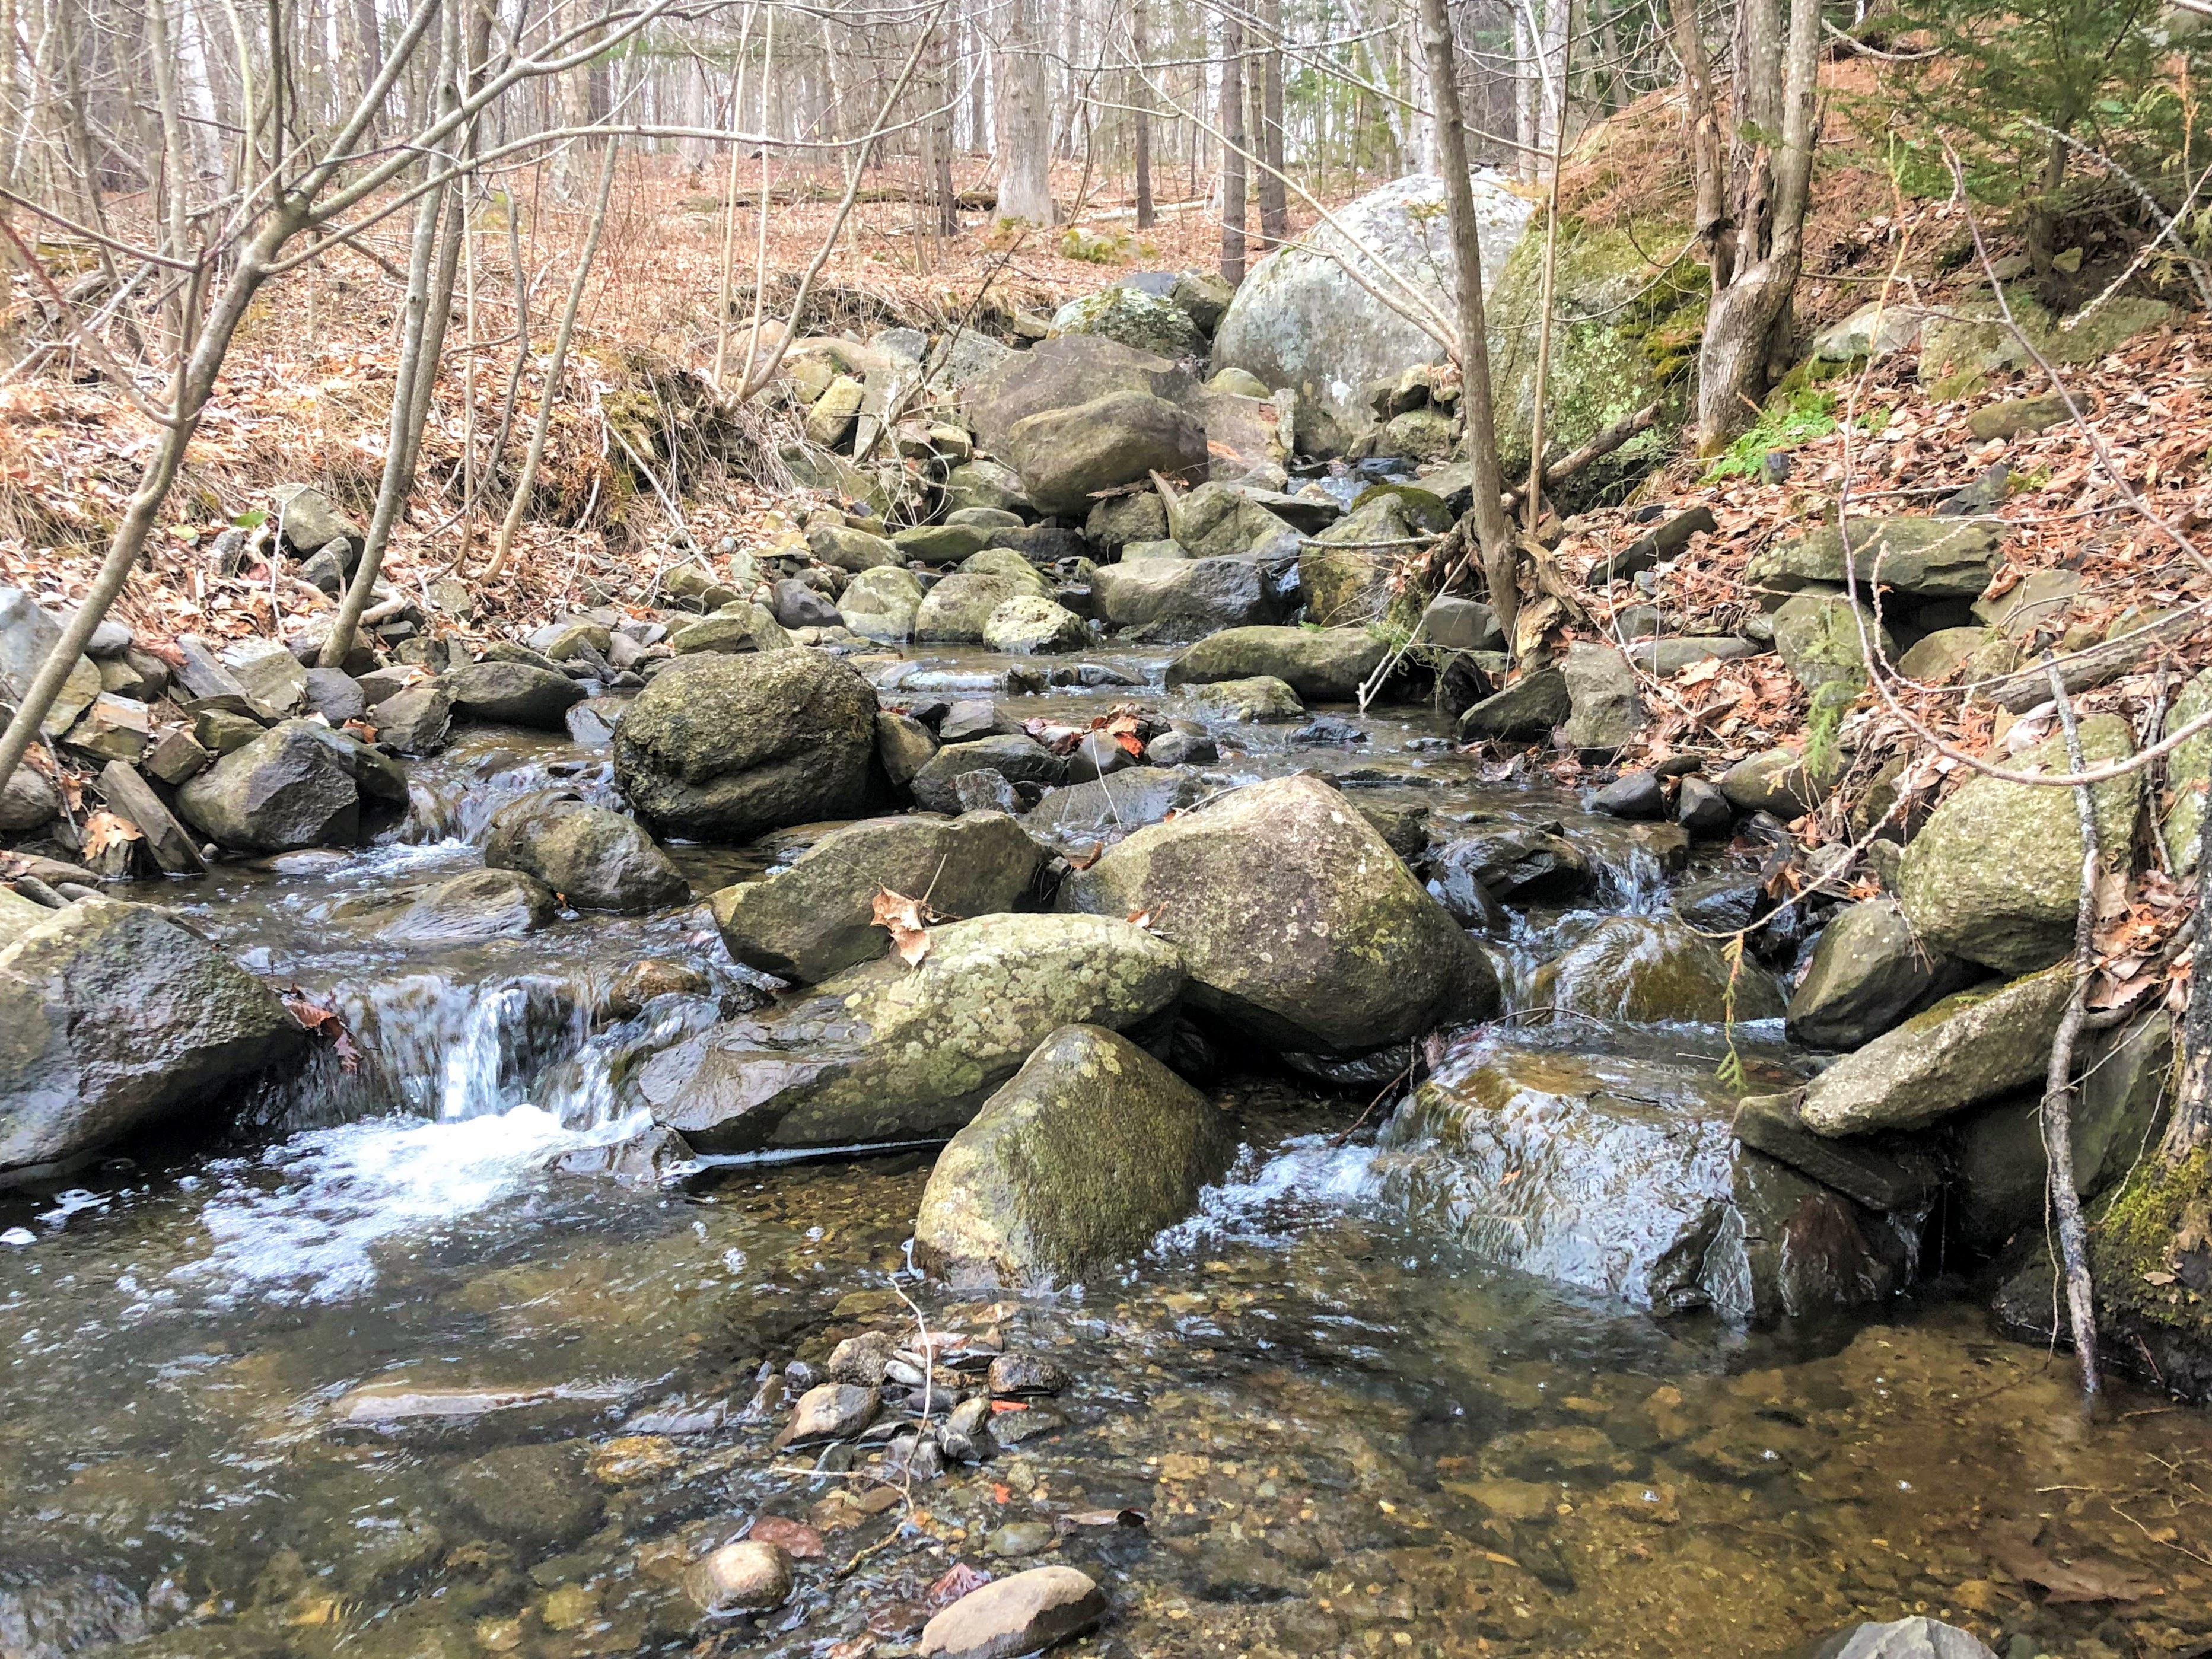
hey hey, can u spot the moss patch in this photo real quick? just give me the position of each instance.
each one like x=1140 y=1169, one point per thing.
x=2150 y=1245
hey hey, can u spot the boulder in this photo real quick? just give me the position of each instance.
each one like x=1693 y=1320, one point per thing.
x=271 y=675
x=1654 y=969
x=941 y=544
x=1298 y=922
x=1119 y=520
x=1867 y=972
x=1533 y=706
x=117 y=1018
x=1451 y=623
x=815 y=916
x=1614 y=1169
x=27 y=637
x=1774 y=780
x=1971 y=1046
x=738 y=627
x=514 y=694
x=1903 y=1638
x=1083 y=816
x=308 y=521
x=1066 y=455
x=1347 y=582
x=1321 y=664
x=1141 y=321
x=727 y=747
x=889 y=1051
x=957 y=608
x=903 y=746
x=417 y=719
x=1995 y=874
x=1822 y=640
x=1081 y=1157
x=335 y=694
x=847 y=549
x=1244 y=702
x=1923 y=558
x=1882 y=1172
x=28 y=800
x=1605 y=709
x=882 y=603
x=172 y=848
x=1015 y=756
x=1303 y=319
x=296 y=785
x=466 y=910
x=1058 y=374
x=1219 y=520
x=1516 y=860
x=798 y=605
x=1028 y=624
x=595 y=859
x=1184 y=599
x=1024 y=1614
x=1934 y=658
x=985 y=482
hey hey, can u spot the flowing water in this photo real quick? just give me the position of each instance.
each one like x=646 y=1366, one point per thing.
x=1333 y=1429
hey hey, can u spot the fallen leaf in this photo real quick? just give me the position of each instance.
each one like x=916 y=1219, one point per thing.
x=1105 y=1518
x=960 y=1579
x=903 y=919
x=1096 y=852
x=2085 y=1579
x=803 y=1542
x=104 y=830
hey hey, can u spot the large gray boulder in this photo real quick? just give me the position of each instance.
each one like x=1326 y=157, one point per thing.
x=815 y=916
x=1321 y=664
x=890 y=1051
x=113 y=1019
x=1309 y=316
x=1184 y=599
x=1867 y=972
x=27 y=637
x=1971 y=1046
x=1088 y=1151
x=296 y=785
x=1144 y=322
x=957 y=610
x=725 y=748
x=1298 y=921
x=1994 y=875
x=1612 y=1166
x=1064 y=456
x=1056 y=375
x=595 y=859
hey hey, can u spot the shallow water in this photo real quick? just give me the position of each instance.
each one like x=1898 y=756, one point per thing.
x=1342 y=1433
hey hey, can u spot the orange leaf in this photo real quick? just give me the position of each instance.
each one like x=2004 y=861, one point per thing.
x=903 y=918
x=104 y=830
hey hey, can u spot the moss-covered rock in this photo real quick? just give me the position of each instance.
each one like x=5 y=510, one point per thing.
x=1089 y=1150
x=1867 y=973
x=1996 y=875
x=890 y=1051
x=596 y=859
x=1654 y=969
x=2150 y=1258
x=1298 y=922
x=1144 y=321
x=1321 y=664
x=882 y=603
x=1962 y=350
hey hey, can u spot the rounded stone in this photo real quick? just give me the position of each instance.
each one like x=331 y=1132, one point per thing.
x=741 y=1577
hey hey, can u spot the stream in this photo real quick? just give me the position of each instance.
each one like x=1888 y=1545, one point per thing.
x=1311 y=1420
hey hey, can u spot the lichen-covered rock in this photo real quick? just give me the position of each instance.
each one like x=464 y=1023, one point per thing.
x=1028 y=624
x=1066 y=455
x=727 y=747
x=1060 y=373
x=1321 y=664
x=1605 y=708
x=815 y=916
x=1088 y=1151
x=1144 y=322
x=1298 y=922
x=956 y=609
x=1184 y=598
x=1301 y=319
x=847 y=549
x=595 y=859
x=740 y=626
x=1349 y=583
x=1995 y=873
x=1925 y=558
x=113 y=1019
x=1650 y=969
x=1971 y=1046
x=891 y=1051
x=882 y=603
x=1242 y=703
x=1612 y=1166
x=1823 y=639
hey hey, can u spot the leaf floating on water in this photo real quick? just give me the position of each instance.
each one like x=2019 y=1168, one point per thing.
x=960 y=1579
x=906 y=921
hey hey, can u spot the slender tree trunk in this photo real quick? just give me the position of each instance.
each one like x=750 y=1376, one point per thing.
x=1232 y=149
x=1140 y=98
x=936 y=141
x=1275 y=201
x=1493 y=531
x=1024 y=122
x=2191 y=1125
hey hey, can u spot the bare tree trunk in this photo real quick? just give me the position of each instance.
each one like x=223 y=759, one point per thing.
x=943 y=199
x=1141 y=97
x=2191 y=1125
x=1024 y=122
x=1493 y=531
x=1274 y=201
x=1232 y=149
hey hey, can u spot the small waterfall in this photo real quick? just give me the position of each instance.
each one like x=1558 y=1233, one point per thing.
x=449 y=1052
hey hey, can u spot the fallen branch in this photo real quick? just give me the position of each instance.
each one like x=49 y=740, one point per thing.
x=1595 y=450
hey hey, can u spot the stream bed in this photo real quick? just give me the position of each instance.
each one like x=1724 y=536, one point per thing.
x=1309 y=1421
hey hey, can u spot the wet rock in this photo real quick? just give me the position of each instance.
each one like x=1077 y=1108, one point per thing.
x=903 y=746
x=1532 y=707
x=727 y=747
x=1020 y=1538
x=1014 y=1376
x=1323 y=665
x=596 y=859
x=1971 y=1046
x=892 y=1052
x=1775 y=781
x=1515 y=861
x=1089 y=1150
x=28 y=800
x=861 y=1359
x=1019 y=759
x=480 y=905
x=742 y=1577
x=1298 y=922
x=1023 y=1614
x=1185 y=597
x=1867 y=972
x=816 y=917
x=1605 y=710
x=882 y=603
x=1883 y=1173
x=416 y=721
x=1096 y=756
x=1652 y=969
x=984 y=790
x=514 y=694
x=1906 y=1639
x=117 y=1019
x=1618 y=1172
x=27 y=636
x=831 y=1411
x=1924 y=558
x=650 y=977
x=297 y=785
x=542 y=1496
x=1029 y=623
x=1637 y=794
x=1065 y=454
x=1995 y=874
x=1701 y=809
x=1086 y=814
x=651 y=1158
x=1244 y=702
